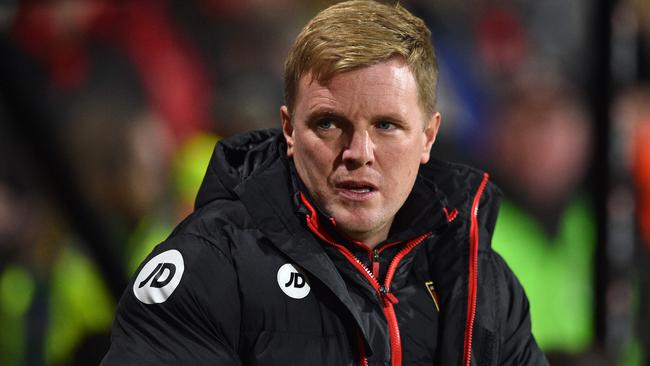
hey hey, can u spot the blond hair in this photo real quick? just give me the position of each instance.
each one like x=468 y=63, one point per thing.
x=360 y=33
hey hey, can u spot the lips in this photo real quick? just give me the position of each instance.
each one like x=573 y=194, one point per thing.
x=356 y=185
x=356 y=189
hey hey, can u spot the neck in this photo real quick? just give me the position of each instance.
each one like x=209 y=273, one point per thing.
x=369 y=238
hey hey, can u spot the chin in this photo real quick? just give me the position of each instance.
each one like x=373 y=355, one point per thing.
x=354 y=223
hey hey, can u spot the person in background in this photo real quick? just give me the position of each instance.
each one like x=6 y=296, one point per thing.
x=546 y=229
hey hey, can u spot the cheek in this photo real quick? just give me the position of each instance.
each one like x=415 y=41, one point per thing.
x=400 y=165
x=313 y=163
x=403 y=156
x=310 y=156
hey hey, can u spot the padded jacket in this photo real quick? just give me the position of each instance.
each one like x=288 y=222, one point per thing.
x=258 y=275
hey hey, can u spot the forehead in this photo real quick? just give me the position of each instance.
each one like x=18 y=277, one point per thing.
x=386 y=87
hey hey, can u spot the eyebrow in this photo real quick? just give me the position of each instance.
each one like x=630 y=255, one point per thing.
x=325 y=113
x=331 y=114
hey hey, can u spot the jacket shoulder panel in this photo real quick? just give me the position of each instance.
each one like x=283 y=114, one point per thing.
x=216 y=222
x=181 y=307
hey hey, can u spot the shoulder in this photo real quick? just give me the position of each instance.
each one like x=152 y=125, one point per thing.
x=180 y=266
x=467 y=189
x=181 y=307
x=500 y=280
x=215 y=224
x=209 y=244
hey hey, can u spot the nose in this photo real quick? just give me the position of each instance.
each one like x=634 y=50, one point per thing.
x=360 y=150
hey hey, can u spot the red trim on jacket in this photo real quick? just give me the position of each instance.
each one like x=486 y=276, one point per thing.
x=473 y=272
x=451 y=216
x=363 y=360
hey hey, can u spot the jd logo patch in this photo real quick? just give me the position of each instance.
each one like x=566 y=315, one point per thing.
x=159 y=278
x=293 y=282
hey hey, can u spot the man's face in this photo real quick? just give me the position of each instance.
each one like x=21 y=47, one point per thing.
x=357 y=144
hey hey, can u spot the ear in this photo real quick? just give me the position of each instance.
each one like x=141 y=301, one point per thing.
x=287 y=129
x=430 y=133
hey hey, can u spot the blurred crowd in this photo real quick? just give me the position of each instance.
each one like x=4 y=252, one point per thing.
x=109 y=111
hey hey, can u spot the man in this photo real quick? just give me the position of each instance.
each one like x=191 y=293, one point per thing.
x=335 y=241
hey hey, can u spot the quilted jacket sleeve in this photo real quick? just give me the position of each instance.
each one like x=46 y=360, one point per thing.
x=181 y=308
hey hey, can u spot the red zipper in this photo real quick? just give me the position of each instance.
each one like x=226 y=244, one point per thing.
x=473 y=272
x=389 y=310
x=374 y=256
x=388 y=299
x=363 y=360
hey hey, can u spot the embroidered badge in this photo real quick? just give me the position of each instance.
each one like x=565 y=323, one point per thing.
x=432 y=292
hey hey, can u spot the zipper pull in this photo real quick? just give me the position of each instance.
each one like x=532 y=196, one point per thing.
x=375 y=263
x=387 y=295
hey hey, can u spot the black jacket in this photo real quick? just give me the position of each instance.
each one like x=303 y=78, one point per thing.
x=258 y=276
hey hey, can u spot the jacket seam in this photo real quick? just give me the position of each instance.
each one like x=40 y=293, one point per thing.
x=208 y=241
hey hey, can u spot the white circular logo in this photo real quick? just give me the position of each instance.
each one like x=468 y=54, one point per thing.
x=293 y=281
x=159 y=277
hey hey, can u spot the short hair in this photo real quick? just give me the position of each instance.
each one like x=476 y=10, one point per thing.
x=360 y=33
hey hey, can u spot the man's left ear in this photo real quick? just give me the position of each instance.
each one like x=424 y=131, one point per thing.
x=430 y=133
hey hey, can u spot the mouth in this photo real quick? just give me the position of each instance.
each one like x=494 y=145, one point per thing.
x=356 y=190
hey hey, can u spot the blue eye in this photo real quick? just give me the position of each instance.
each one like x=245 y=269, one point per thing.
x=325 y=124
x=385 y=125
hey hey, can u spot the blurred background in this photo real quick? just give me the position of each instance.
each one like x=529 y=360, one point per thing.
x=109 y=111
